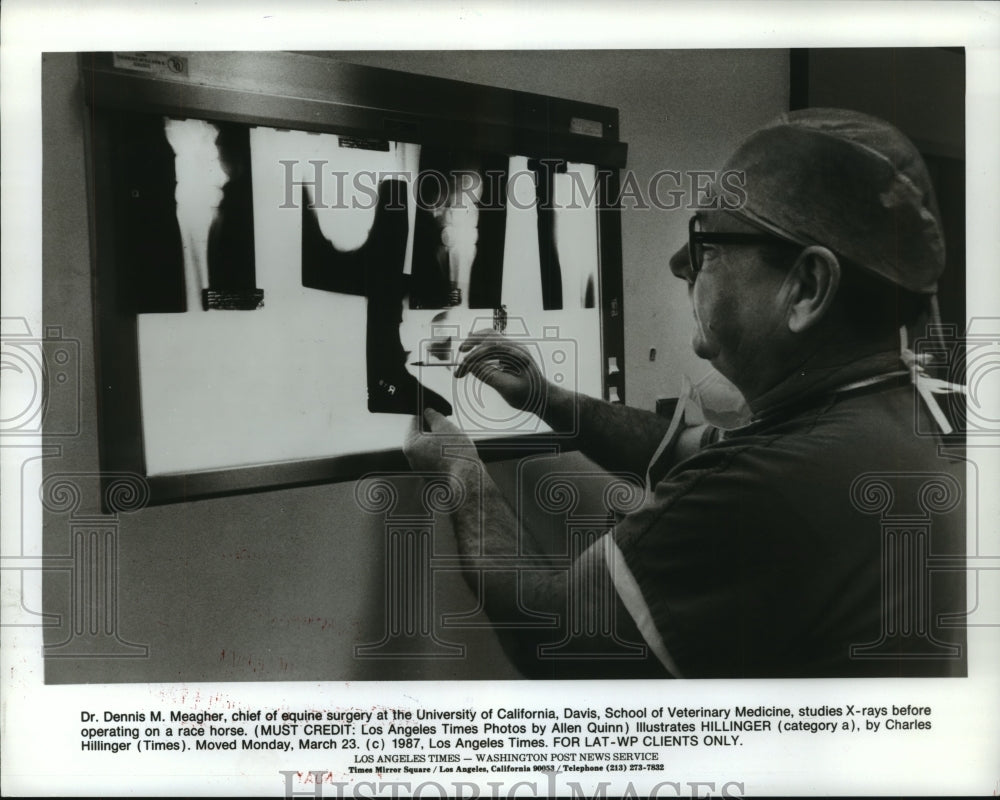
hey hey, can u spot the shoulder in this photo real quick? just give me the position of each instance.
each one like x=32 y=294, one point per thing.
x=798 y=470
x=771 y=540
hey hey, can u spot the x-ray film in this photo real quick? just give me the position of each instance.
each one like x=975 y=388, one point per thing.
x=370 y=261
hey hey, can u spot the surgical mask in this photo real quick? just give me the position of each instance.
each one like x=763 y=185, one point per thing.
x=717 y=400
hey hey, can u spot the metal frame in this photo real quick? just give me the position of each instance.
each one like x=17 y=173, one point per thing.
x=286 y=90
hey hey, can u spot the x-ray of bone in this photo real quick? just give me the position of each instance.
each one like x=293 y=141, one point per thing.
x=492 y=231
x=332 y=363
x=184 y=196
x=338 y=182
x=458 y=237
x=551 y=246
x=362 y=250
x=198 y=193
x=575 y=232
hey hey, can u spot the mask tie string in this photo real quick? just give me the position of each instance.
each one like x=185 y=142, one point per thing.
x=927 y=385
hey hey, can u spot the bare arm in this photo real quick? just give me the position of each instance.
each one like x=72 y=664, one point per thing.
x=488 y=534
x=618 y=438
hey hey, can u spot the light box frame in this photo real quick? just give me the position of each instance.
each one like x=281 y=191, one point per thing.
x=315 y=93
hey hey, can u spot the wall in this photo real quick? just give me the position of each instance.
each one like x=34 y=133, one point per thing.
x=281 y=585
x=920 y=90
x=917 y=89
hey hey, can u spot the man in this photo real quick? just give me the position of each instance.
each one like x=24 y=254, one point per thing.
x=764 y=551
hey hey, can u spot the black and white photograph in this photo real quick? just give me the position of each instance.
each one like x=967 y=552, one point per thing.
x=493 y=413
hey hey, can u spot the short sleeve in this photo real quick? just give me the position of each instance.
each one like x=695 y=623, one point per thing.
x=713 y=568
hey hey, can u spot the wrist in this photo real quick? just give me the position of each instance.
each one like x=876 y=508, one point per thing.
x=560 y=408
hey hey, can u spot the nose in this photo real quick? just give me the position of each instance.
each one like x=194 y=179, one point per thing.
x=680 y=264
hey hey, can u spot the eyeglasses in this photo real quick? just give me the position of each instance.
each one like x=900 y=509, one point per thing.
x=697 y=238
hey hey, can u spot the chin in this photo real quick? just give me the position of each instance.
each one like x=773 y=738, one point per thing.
x=703 y=349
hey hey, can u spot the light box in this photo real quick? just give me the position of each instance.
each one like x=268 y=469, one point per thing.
x=289 y=250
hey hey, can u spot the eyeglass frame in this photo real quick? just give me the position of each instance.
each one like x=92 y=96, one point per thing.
x=698 y=238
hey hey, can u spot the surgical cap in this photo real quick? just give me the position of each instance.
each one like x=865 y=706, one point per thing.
x=849 y=182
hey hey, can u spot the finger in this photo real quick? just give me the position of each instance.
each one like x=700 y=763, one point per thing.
x=476 y=338
x=412 y=436
x=436 y=422
x=483 y=359
x=491 y=350
x=468 y=363
x=491 y=361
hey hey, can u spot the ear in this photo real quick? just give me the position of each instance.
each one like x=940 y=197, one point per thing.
x=811 y=284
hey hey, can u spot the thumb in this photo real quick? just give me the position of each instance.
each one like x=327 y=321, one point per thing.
x=433 y=417
x=412 y=434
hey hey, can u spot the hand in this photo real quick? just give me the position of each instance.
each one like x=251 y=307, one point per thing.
x=507 y=367
x=428 y=438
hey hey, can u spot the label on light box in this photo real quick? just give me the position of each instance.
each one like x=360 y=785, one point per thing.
x=362 y=143
x=586 y=127
x=152 y=63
